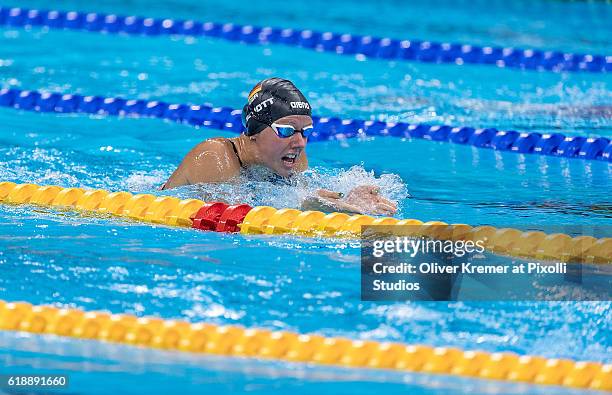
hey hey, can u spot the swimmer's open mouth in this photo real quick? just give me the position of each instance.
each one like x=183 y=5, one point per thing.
x=289 y=158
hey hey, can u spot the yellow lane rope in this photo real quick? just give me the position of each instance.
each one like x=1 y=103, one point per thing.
x=507 y=241
x=166 y=210
x=293 y=347
x=269 y=220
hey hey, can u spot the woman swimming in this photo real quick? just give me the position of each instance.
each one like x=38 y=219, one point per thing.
x=277 y=119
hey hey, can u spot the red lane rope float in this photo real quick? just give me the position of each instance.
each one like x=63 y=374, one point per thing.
x=221 y=217
x=236 y=341
x=232 y=217
x=207 y=217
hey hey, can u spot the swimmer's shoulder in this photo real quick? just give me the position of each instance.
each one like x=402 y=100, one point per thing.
x=212 y=160
x=218 y=145
x=218 y=148
x=216 y=153
x=228 y=148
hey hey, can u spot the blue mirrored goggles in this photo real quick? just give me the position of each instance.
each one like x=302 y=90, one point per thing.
x=284 y=131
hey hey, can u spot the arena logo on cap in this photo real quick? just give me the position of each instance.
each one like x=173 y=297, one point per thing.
x=299 y=104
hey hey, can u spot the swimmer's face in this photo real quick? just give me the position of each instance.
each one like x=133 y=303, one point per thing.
x=284 y=155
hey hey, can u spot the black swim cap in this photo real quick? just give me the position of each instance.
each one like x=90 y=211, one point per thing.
x=270 y=100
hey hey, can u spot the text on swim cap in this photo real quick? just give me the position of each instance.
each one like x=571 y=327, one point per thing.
x=299 y=104
x=263 y=104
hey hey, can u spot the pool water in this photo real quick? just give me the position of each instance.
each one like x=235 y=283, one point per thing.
x=303 y=285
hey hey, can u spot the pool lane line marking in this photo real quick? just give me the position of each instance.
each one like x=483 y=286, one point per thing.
x=165 y=210
x=361 y=47
x=235 y=341
x=226 y=118
x=220 y=217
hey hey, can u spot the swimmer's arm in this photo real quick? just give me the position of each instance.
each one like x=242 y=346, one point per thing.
x=327 y=201
x=363 y=199
x=209 y=161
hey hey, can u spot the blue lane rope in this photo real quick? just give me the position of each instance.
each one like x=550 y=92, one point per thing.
x=226 y=118
x=346 y=44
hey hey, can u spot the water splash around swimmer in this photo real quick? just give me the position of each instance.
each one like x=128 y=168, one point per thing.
x=258 y=186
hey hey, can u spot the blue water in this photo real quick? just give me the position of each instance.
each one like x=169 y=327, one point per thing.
x=100 y=263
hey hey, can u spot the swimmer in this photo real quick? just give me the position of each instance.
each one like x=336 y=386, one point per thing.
x=277 y=119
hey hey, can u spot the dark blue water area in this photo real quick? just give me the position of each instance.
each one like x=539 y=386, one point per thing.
x=208 y=70
x=547 y=25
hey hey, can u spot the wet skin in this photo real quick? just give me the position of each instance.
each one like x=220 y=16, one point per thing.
x=214 y=159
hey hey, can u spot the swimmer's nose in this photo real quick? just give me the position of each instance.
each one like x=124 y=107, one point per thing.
x=298 y=141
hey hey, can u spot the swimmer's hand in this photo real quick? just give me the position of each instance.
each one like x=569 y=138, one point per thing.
x=364 y=199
